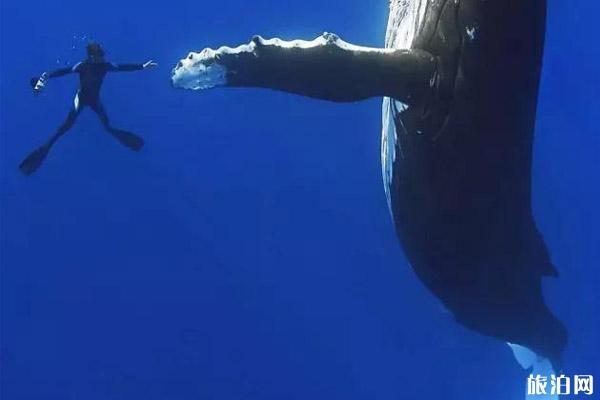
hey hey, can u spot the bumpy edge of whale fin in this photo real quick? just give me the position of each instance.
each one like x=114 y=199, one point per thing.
x=326 y=68
x=536 y=365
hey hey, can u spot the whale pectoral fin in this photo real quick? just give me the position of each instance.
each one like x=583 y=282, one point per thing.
x=326 y=68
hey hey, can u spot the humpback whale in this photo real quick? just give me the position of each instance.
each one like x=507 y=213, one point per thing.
x=460 y=83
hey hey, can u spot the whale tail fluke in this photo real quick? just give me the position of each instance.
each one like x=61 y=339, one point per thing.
x=538 y=367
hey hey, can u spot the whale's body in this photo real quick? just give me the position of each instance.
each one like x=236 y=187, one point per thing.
x=457 y=171
x=461 y=79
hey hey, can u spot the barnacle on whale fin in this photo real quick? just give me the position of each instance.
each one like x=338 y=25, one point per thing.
x=330 y=38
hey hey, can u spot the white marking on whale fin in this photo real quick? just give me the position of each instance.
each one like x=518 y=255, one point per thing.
x=198 y=71
x=539 y=366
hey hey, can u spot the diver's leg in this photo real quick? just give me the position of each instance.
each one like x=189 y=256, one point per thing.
x=326 y=68
x=128 y=139
x=33 y=161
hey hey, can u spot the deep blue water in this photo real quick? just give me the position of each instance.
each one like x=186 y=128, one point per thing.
x=247 y=251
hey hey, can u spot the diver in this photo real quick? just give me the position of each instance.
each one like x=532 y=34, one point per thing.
x=91 y=75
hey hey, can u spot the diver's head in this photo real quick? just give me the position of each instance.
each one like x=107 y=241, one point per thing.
x=95 y=52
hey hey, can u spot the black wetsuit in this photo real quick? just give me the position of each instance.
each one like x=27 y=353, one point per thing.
x=91 y=76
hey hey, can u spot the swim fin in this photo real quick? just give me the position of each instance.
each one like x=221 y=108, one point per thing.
x=128 y=139
x=33 y=161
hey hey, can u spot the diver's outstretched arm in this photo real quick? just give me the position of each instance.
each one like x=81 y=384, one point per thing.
x=131 y=67
x=63 y=71
x=38 y=83
x=326 y=68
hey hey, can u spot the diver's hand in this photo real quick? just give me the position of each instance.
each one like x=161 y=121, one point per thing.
x=150 y=64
